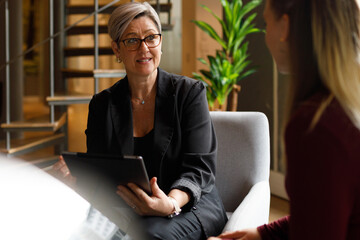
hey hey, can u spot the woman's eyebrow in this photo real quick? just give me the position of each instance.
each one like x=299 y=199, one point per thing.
x=136 y=34
x=130 y=34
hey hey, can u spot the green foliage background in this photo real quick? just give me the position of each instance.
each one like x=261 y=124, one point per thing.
x=230 y=64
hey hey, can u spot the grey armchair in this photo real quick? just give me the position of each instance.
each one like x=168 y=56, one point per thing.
x=243 y=166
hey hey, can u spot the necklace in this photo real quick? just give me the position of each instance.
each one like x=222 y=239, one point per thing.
x=142 y=100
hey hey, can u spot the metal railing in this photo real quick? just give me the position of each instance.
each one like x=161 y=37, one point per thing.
x=50 y=39
x=7 y=81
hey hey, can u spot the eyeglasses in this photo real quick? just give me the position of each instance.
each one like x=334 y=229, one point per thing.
x=151 y=41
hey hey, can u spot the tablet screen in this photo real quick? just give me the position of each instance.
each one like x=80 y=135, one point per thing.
x=117 y=170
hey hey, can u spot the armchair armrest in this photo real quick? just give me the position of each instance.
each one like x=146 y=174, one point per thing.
x=253 y=211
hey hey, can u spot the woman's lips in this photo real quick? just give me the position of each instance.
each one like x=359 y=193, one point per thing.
x=144 y=60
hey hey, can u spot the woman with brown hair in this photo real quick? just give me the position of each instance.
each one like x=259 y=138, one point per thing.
x=317 y=42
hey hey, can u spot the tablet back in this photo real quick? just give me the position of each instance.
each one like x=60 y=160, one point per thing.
x=117 y=170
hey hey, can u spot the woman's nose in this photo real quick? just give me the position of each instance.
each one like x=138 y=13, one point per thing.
x=143 y=46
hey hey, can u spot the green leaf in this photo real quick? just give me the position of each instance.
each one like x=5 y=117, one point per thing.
x=227 y=10
x=235 y=10
x=203 y=61
x=231 y=39
x=206 y=74
x=251 y=5
x=210 y=31
x=247 y=73
x=217 y=17
x=211 y=96
x=212 y=60
x=198 y=77
x=231 y=64
x=246 y=25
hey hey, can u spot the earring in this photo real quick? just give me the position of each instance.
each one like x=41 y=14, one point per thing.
x=118 y=60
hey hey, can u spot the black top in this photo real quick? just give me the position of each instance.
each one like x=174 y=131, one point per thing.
x=143 y=147
x=184 y=140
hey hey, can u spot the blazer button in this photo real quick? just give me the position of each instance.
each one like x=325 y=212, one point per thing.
x=194 y=208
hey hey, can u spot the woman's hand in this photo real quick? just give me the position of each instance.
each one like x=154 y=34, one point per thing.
x=247 y=234
x=62 y=172
x=158 y=204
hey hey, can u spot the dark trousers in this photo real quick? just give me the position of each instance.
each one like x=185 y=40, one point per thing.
x=184 y=226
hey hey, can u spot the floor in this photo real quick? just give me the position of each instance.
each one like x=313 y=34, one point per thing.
x=77 y=119
x=278 y=208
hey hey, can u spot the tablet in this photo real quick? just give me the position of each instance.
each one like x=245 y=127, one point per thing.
x=117 y=170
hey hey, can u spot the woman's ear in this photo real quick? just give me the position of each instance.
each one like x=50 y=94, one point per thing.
x=115 y=48
x=285 y=27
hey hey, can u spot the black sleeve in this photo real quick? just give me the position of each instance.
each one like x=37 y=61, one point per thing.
x=199 y=146
x=96 y=126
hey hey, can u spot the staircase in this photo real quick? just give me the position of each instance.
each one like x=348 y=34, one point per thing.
x=99 y=48
x=52 y=131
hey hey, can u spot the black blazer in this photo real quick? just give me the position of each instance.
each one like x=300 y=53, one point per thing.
x=184 y=140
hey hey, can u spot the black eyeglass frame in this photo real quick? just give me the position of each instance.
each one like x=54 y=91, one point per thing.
x=142 y=40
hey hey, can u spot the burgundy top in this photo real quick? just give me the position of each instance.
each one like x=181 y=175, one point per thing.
x=323 y=177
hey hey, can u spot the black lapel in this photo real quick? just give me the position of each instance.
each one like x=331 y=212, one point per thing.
x=164 y=113
x=121 y=114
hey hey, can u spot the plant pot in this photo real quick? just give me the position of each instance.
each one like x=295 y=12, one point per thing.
x=218 y=107
x=234 y=98
x=233 y=101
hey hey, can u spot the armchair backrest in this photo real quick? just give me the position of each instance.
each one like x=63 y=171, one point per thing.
x=243 y=154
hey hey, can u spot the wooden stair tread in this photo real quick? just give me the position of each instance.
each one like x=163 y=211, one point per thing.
x=73 y=73
x=86 y=9
x=16 y=142
x=86 y=51
x=86 y=29
x=63 y=100
x=97 y=73
x=35 y=125
x=103 y=29
x=22 y=146
x=109 y=73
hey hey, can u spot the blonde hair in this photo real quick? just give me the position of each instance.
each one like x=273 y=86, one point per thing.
x=335 y=36
x=125 y=13
x=325 y=53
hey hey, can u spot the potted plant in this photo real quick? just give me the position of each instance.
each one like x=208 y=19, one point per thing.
x=231 y=63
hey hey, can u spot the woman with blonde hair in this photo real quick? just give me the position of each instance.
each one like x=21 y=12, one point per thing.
x=317 y=42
